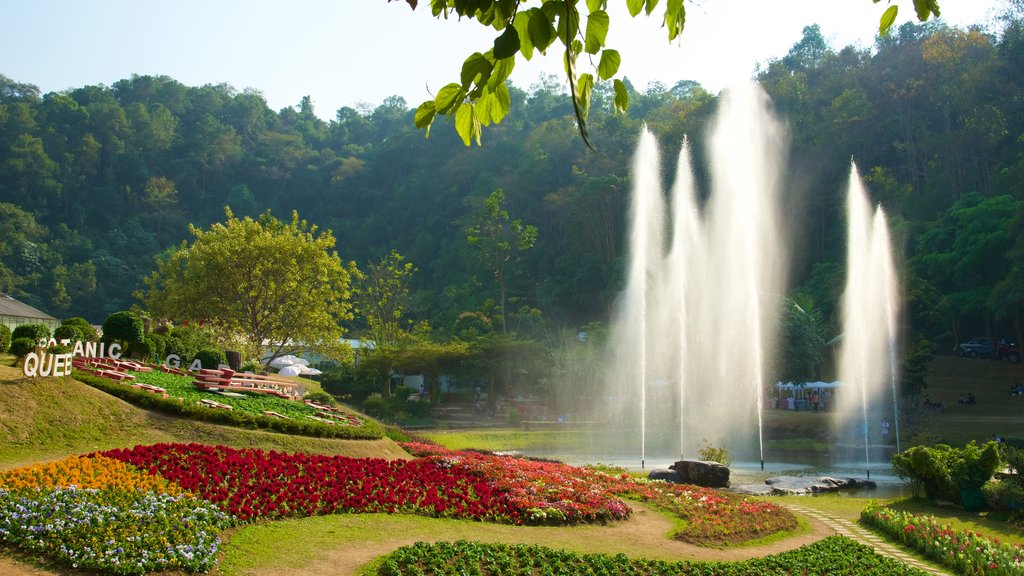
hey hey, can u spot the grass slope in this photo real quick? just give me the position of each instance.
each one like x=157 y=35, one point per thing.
x=47 y=419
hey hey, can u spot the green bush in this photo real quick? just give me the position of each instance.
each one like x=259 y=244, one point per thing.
x=83 y=326
x=145 y=349
x=20 y=347
x=35 y=332
x=5 y=338
x=254 y=366
x=67 y=332
x=186 y=342
x=377 y=407
x=211 y=357
x=943 y=472
x=321 y=398
x=709 y=453
x=124 y=326
x=1004 y=494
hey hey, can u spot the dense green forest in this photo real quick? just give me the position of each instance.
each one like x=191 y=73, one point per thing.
x=97 y=181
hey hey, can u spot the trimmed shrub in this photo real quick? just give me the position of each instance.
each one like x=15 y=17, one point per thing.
x=84 y=328
x=321 y=398
x=124 y=326
x=5 y=338
x=20 y=347
x=68 y=332
x=211 y=357
x=35 y=332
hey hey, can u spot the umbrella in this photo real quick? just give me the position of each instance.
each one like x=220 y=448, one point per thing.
x=307 y=371
x=288 y=360
x=292 y=370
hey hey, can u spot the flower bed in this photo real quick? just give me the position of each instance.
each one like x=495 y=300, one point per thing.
x=833 y=555
x=248 y=412
x=712 y=517
x=965 y=552
x=85 y=472
x=255 y=484
x=113 y=530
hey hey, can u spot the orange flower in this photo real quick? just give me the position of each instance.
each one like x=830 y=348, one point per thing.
x=86 y=472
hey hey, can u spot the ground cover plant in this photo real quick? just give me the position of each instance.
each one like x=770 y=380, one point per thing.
x=710 y=517
x=833 y=555
x=964 y=551
x=97 y=513
x=248 y=412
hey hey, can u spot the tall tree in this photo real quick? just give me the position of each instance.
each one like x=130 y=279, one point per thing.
x=500 y=241
x=259 y=284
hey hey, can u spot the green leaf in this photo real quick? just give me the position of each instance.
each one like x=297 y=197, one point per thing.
x=609 y=64
x=634 y=6
x=467 y=124
x=923 y=9
x=448 y=97
x=621 y=96
x=568 y=23
x=595 y=5
x=522 y=24
x=502 y=103
x=651 y=5
x=888 y=17
x=541 y=32
x=483 y=108
x=584 y=88
x=502 y=70
x=425 y=116
x=597 y=31
x=506 y=45
x=675 y=18
x=476 y=68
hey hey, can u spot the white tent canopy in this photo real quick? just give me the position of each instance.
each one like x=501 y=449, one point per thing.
x=288 y=360
x=292 y=370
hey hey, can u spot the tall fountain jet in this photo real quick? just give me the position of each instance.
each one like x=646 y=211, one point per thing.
x=696 y=322
x=694 y=331
x=870 y=307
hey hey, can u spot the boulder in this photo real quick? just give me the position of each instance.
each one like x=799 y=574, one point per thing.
x=666 y=474
x=701 y=473
x=811 y=485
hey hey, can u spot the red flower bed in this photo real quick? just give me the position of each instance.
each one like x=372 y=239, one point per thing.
x=544 y=492
x=712 y=517
x=258 y=484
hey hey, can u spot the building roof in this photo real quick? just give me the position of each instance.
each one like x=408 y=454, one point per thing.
x=11 y=307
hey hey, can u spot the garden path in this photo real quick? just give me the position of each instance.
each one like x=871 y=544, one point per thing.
x=853 y=530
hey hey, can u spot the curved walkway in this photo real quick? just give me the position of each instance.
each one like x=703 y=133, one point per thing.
x=852 y=530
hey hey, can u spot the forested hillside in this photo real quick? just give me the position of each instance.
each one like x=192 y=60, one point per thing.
x=97 y=181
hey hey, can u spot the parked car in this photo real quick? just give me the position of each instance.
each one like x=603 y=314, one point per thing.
x=980 y=347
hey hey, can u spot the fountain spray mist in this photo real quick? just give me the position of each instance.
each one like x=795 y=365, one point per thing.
x=696 y=322
x=869 y=312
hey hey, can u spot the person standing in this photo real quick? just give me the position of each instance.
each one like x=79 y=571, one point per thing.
x=885 y=430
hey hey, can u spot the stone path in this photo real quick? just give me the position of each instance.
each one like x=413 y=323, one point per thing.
x=851 y=529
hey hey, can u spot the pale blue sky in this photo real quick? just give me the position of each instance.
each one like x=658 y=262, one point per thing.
x=343 y=52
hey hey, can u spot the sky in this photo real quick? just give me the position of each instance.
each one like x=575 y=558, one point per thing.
x=356 y=53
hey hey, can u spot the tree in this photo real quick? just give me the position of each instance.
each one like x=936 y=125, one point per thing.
x=380 y=297
x=481 y=98
x=500 y=240
x=258 y=284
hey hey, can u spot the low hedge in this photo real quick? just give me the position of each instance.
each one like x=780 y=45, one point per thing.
x=370 y=430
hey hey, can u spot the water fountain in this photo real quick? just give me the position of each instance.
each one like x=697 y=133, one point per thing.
x=867 y=359
x=694 y=330
x=694 y=326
